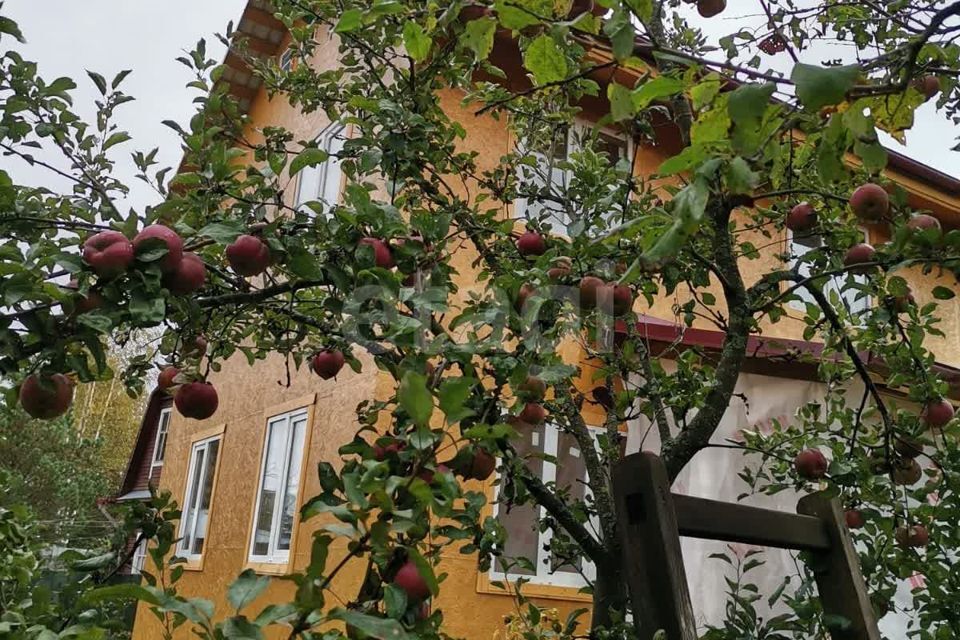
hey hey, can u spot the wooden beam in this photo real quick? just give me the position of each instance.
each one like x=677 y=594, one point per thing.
x=653 y=562
x=714 y=520
x=843 y=592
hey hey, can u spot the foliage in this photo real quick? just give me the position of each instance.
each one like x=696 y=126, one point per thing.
x=458 y=350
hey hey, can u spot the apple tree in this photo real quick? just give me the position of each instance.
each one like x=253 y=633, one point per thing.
x=760 y=135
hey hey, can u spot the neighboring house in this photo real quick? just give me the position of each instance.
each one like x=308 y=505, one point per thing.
x=146 y=461
x=242 y=475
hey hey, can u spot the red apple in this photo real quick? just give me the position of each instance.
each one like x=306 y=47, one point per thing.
x=854 y=518
x=561 y=268
x=327 y=363
x=483 y=464
x=408 y=579
x=929 y=86
x=533 y=387
x=907 y=472
x=533 y=413
x=936 y=414
x=810 y=464
x=188 y=276
x=922 y=222
x=531 y=243
x=387 y=447
x=859 y=254
x=526 y=291
x=870 y=202
x=590 y=289
x=195 y=347
x=46 y=397
x=159 y=233
x=802 y=218
x=710 y=8
x=248 y=255
x=197 y=400
x=912 y=536
x=108 y=253
x=622 y=299
x=603 y=397
x=381 y=252
x=93 y=300
x=166 y=378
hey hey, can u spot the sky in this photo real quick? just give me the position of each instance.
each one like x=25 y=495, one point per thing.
x=66 y=37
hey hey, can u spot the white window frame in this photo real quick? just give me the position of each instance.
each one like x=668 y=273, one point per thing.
x=286 y=59
x=322 y=182
x=544 y=576
x=561 y=177
x=163 y=428
x=139 y=558
x=274 y=555
x=190 y=497
x=854 y=304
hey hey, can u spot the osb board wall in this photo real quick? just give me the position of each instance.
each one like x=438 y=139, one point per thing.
x=245 y=392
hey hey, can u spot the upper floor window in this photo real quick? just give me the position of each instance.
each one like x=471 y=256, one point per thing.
x=276 y=506
x=546 y=181
x=160 y=443
x=286 y=59
x=196 y=503
x=322 y=183
x=542 y=445
x=852 y=297
x=139 y=558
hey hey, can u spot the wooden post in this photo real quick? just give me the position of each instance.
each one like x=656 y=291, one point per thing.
x=653 y=562
x=837 y=571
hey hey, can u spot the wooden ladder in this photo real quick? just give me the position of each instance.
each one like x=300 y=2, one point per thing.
x=651 y=520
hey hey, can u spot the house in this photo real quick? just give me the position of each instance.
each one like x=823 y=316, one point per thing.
x=241 y=475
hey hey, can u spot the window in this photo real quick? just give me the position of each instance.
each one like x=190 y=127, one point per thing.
x=853 y=298
x=551 y=158
x=196 y=503
x=286 y=59
x=524 y=538
x=322 y=182
x=160 y=444
x=139 y=558
x=276 y=505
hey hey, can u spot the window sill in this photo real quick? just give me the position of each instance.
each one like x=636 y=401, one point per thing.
x=270 y=568
x=532 y=590
x=193 y=565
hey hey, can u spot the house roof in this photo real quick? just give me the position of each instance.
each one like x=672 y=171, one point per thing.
x=151 y=414
x=766 y=355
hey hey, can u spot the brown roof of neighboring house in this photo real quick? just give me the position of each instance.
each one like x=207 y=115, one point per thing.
x=143 y=445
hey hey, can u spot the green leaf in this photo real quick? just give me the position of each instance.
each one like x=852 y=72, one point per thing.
x=453 y=394
x=350 y=20
x=98 y=80
x=943 y=293
x=545 y=60
x=621 y=102
x=416 y=41
x=246 y=588
x=513 y=17
x=96 y=321
x=95 y=562
x=308 y=158
x=415 y=398
x=373 y=626
x=395 y=599
x=620 y=30
x=873 y=155
x=740 y=178
x=147 y=311
x=123 y=591
x=821 y=86
x=683 y=161
x=303 y=263
x=117 y=138
x=223 y=232
x=10 y=27
x=425 y=570
x=478 y=36
x=712 y=125
x=749 y=102
x=240 y=627
x=705 y=91
x=655 y=89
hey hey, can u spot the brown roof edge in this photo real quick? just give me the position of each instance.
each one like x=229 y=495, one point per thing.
x=924 y=173
x=150 y=415
x=765 y=355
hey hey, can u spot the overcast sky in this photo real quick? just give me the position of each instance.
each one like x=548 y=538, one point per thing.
x=68 y=36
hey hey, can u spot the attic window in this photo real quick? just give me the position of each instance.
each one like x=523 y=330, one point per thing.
x=286 y=59
x=160 y=444
x=838 y=287
x=320 y=184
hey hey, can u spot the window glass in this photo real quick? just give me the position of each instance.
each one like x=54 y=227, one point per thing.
x=321 y=183
x=276 y=506
x=851 y=298
x=196 y=516
x=160 y=445
x=522 y=521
